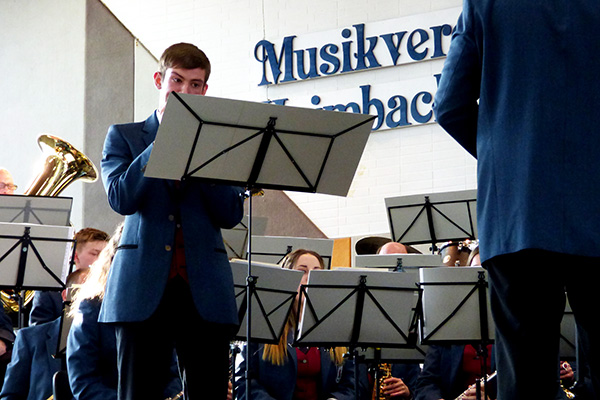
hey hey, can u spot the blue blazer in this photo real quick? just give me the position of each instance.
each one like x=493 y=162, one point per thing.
x=274 y=382
x=92 y=357
x=140 y=269
x=439 y=378
x=47 y=306
x=533 y=68
x=29 y=374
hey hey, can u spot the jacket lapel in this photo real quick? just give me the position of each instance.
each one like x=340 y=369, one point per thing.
x=150 y=129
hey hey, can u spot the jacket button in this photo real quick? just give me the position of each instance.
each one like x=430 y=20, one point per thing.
x=168 y=248
x=171 y=218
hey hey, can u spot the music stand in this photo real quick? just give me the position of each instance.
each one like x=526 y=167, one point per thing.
x=42 y=210
x=398 y=262
x=455 y=308
x=568 y=335
x=66 y=320
x=433 y=218
x=34 y=257
x=258 y=146
x=272 y=249
x=236 y=238
x=358 y=308
x=273 y=295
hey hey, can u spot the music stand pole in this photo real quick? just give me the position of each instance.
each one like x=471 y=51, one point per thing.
x=250 y=286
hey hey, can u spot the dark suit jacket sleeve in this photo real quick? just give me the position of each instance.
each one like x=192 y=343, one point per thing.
x=18 y=372
x=84 y=352
x=123 y=172
x=257 y=390
x=455 y=104
x=47 y=306
x=6 y=329
x=223 y=204
x=438 y=379
x=344 y=379
x=409 y=373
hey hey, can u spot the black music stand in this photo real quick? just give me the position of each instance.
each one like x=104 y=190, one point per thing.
x=236 y=238
x=456 y=308
x=398 y=262
x=358 y=308
x=42 y=210
x=273 y=249
x=66 y=320
x=34 y=257
x=568 y=335
x=258 y=146
x=273 y=295
x=434 y=218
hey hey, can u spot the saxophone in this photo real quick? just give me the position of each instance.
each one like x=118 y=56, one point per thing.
x=383 y=371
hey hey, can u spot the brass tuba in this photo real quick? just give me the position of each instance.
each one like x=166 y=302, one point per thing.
x=63 y=166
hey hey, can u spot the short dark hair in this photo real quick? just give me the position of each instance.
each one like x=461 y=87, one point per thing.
x=186 y=56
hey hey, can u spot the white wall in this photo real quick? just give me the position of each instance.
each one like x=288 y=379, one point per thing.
x=35 y=67
x=405 y=161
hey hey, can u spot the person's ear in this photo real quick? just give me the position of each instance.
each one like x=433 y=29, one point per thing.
x=158 y=80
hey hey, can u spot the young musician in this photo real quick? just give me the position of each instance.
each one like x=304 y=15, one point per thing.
x=282 y=372
x=33 y=365
x=47 y=306
x=170 y=274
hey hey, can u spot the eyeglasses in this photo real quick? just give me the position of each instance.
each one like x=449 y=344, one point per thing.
x=8 y=186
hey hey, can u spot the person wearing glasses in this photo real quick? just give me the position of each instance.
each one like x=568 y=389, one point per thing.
x=7 y=185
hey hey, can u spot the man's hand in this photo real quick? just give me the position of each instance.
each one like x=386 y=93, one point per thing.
x=3 y=348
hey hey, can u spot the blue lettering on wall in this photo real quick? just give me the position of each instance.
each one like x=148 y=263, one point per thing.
x=397 y=111
x=357 y=53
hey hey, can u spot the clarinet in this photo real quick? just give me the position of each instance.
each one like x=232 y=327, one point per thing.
x=487 y=378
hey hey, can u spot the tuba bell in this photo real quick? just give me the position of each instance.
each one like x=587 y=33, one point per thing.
x=64 y=165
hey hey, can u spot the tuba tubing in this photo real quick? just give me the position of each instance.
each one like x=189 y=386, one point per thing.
x=64 y=165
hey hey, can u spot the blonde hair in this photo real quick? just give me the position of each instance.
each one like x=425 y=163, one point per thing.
x=95 y=284
x=277 y=353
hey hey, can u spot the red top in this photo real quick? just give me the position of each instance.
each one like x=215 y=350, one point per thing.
x=178 y=262
x=308 y=378
x=472 y=364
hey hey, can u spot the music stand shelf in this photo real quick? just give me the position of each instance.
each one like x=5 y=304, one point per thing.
x=433 y=218
x=34 y=257
x=359 y=308
x=272 y=293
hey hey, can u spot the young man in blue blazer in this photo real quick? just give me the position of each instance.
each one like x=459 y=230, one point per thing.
x=170 y=285
x=520 y=91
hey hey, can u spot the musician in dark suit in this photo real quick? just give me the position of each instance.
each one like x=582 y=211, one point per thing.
x=171 y=268
x=449 y=370
x=32 y=366
x=7 y=337
x=29 y=374
x=520 y=91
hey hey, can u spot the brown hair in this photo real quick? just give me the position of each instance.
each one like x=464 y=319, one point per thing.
x=86 y=235
x=186 y=56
